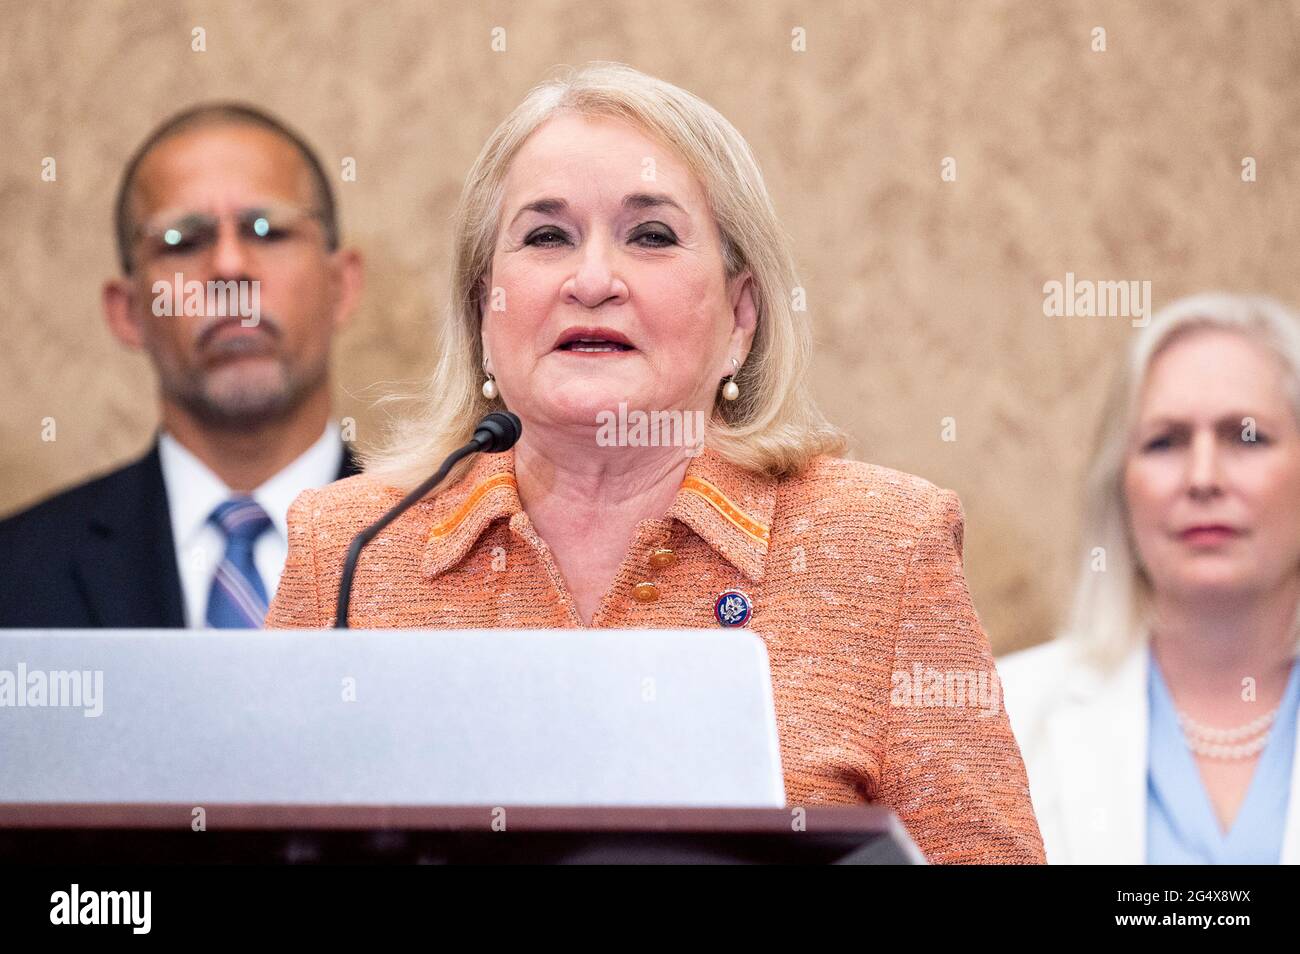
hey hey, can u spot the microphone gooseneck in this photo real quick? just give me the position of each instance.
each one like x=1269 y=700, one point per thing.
x=495 y=433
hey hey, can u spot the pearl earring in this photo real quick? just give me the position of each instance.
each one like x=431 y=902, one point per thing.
x=730 y=390
x=490 y=388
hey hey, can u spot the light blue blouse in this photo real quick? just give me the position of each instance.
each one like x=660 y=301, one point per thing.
x=1182 y=828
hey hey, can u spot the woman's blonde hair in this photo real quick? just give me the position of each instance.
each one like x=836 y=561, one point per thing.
x=774 y=427
x=1110 y=612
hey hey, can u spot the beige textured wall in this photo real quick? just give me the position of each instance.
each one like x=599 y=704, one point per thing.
x=927 y=295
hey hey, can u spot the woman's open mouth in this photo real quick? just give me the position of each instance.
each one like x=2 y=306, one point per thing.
x=594 y=346
x=591 y=340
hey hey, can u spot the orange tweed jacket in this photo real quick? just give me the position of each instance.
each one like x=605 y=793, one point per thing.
x=854 y=572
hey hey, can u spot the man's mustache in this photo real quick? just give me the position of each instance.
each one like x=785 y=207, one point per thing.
x=203 y=337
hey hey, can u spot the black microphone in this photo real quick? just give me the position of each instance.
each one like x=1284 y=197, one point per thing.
x=495 y=433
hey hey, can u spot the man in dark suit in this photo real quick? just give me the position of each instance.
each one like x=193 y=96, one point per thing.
x=234 y=284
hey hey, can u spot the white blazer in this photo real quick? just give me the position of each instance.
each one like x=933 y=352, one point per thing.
x=1083 y=736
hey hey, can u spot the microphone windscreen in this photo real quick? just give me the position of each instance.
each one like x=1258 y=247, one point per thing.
x=498 y=431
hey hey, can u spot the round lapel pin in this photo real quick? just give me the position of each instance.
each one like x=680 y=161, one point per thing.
x=733 y=608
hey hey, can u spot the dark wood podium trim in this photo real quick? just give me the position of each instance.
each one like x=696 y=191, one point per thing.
x=863 y=819
x=423 y=834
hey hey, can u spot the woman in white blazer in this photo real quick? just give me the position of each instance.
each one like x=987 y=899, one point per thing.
x=1161 y=726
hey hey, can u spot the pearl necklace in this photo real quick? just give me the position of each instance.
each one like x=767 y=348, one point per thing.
x=1243 y=742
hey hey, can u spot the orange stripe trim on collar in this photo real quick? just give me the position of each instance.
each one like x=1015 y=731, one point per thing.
x=472 y=501
x=719 y=501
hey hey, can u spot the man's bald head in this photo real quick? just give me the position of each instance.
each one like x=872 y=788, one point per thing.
x=208 y=116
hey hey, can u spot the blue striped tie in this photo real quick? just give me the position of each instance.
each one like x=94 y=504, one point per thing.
x=237 y=599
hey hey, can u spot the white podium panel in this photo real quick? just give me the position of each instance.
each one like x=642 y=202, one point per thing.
x=387 y=717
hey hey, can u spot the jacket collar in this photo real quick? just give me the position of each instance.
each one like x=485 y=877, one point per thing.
x=725 y=505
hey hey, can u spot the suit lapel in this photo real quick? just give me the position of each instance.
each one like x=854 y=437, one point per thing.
x=1101 y=759
x=126 y=563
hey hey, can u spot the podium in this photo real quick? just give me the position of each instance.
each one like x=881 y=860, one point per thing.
x=439 y=746
x=320 y=834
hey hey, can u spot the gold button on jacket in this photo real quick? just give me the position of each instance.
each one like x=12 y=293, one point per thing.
x=661 y=558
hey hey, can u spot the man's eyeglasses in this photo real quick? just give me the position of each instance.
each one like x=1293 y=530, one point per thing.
x=184 y=238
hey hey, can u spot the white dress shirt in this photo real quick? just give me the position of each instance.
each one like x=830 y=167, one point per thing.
x=194 y=491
